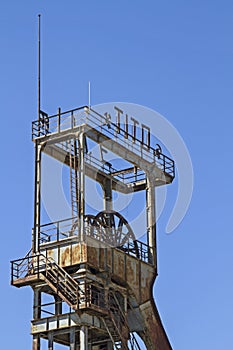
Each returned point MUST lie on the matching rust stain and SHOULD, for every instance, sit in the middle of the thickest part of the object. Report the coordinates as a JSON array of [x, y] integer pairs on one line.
[[84, 253], [125, 334], [102, 258], [119, 261], [154, 328], [65, 257], [92, 256], [132, 276], [109, 257], [76, 254], [147, 278], [50, 253]]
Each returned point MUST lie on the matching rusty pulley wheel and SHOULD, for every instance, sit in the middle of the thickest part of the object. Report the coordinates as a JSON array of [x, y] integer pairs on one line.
[[93, 227], [116, 231]]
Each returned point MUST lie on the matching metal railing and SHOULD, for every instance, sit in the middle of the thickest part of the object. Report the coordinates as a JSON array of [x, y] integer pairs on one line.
[[20, 268], [85, 115], [33, 264], [57, 122], [128, 177], [93, 295], [76, 295], [46, 268], [68, 228], [45, 309], [81, 295], [59, 279], [57, 231]]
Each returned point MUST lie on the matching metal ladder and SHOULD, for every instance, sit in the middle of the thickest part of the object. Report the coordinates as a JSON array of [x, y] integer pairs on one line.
[[74, 186]]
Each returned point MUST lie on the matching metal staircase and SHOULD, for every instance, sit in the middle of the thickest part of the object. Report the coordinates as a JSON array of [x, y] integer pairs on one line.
[[69, 290], [113, 333], [77, 296], [60, 281], [117, 325]]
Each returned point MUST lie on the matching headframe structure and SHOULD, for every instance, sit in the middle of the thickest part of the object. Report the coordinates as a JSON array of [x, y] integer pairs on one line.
[[92, 279]]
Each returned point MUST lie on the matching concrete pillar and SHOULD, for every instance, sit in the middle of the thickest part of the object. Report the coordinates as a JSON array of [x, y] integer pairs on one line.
[[84, 338]]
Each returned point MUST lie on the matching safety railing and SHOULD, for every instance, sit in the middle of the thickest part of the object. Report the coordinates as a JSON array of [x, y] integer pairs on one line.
[[84, 115], [93, 295], [57, 123], [129, 141], [127, 177], [20, 267], [24, 267], [52, 308], [68, 228], [57, 231], [46, 268], [59, 278]]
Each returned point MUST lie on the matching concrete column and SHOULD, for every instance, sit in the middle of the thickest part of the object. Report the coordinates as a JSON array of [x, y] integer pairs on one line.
[[84, 338], [81, 201], [151, 221]]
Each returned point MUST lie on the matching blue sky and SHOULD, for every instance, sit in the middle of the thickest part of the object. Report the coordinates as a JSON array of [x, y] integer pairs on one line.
[[175, 57]]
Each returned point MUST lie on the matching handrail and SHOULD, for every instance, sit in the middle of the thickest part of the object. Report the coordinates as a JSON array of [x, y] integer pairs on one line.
[[90, 159], [115, 310], [68, 120], [151, 153], [74, 294], [119, 308], [20, 267], [40, 264], [63, 280], [65, 229]]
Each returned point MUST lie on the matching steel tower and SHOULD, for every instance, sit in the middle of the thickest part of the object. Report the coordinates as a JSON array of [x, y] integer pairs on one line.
[[91, 278]]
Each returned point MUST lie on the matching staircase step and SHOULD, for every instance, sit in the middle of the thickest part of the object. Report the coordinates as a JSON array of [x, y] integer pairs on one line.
[[60, 281]]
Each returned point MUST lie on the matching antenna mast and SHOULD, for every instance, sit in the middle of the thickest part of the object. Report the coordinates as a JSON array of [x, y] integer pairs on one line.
[[89, 94], [39, 59]]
